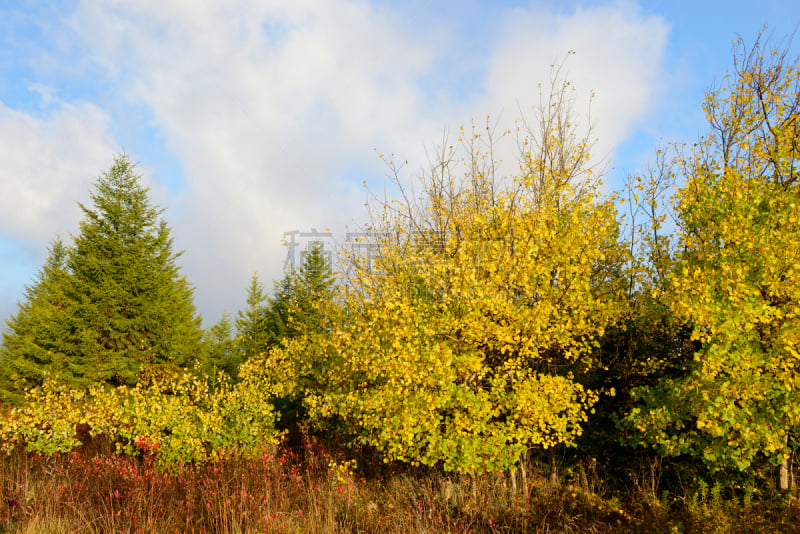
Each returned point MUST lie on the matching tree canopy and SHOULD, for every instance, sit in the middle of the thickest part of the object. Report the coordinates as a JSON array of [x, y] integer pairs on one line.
[[35, 339]]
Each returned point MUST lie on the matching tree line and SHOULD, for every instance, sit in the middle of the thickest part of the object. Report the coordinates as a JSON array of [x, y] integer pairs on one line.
[[499, 314]]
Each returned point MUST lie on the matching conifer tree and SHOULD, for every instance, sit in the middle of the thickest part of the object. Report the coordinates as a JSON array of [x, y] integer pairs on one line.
[[299, 298], [251, 324], [132, 306], [221, 351], [279, 307], [112, 303], [315, 284], [34, 340], [316, 273], [301, 306]]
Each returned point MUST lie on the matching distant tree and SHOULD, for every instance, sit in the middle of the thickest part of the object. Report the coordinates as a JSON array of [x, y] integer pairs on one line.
[[314, 288], [279, 307], [118, 302], [221, 349], [299, 299], [35, 338], [302, 305], [316, 273], [253, 335]]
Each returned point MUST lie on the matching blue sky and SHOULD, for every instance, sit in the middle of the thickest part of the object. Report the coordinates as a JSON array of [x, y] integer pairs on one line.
[[251, 118]]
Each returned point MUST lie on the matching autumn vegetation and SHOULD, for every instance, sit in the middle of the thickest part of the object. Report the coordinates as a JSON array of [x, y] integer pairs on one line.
[[516, 351]]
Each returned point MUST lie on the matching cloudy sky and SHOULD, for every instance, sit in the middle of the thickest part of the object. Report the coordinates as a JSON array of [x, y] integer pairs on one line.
[[252, 118]]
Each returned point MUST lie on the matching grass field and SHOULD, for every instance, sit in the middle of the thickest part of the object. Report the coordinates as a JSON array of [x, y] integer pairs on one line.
[[308, 487]]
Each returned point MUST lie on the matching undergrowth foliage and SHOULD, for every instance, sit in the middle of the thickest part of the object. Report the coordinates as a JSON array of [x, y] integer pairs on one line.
[[178, 418]]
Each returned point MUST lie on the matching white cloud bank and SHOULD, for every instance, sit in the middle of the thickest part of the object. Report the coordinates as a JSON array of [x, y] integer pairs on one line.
[[47, 164], [273, 107]]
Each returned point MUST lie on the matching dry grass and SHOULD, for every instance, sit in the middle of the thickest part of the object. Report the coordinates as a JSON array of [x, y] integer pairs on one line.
[[310, 489]]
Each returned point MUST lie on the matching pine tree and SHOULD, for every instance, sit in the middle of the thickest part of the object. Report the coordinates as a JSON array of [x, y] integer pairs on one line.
[[34, 341], [298, 302], [300, 307], [316, 278], [279, 309], [132, 306]]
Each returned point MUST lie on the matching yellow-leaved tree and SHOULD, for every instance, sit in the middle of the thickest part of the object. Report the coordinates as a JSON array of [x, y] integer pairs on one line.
[[736, 276], [462, 336]]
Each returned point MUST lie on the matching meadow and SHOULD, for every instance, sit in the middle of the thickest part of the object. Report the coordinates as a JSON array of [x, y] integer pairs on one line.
[[304, 485]]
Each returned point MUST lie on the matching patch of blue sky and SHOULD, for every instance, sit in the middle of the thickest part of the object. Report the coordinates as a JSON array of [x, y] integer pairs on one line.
[[276, 34], [20, 38], [365, 179], [699, 55], [453, 81], [45, 65], [19, 263], [134, 127], [39, 47]]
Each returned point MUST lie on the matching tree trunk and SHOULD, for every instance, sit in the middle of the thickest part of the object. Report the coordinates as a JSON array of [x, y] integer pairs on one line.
[[523, 466], [785, 481], [784, 474], [473, 478], [512, 473], [553, 468]]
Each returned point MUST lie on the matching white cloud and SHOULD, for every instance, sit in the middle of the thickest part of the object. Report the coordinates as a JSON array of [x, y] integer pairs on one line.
[[48, 163], [267, 107], [272, 106], [617, 55]]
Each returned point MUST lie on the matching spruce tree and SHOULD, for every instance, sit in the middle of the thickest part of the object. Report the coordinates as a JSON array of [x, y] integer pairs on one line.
[[279, 307], [301, 306], [251, 324], [315, 283], [35, 338], [109, 305], [298, 302], [316, 274], [220, 349], [132, 308]]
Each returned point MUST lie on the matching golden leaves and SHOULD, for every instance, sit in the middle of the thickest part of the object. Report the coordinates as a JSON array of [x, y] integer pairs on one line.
[[179, 416], [475, 294]]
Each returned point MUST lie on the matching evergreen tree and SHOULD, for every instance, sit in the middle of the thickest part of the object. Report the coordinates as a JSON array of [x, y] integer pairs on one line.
[[315, 284], [278, 309], [221, 352], [298, 302], [316, 274], [299, 307], [35, 337], [132, 306], [251, 324], [112, 303]]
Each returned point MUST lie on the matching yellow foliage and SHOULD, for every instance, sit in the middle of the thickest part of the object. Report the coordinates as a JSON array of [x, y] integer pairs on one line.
[[735, 280], [459, 336], [178, 418]]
